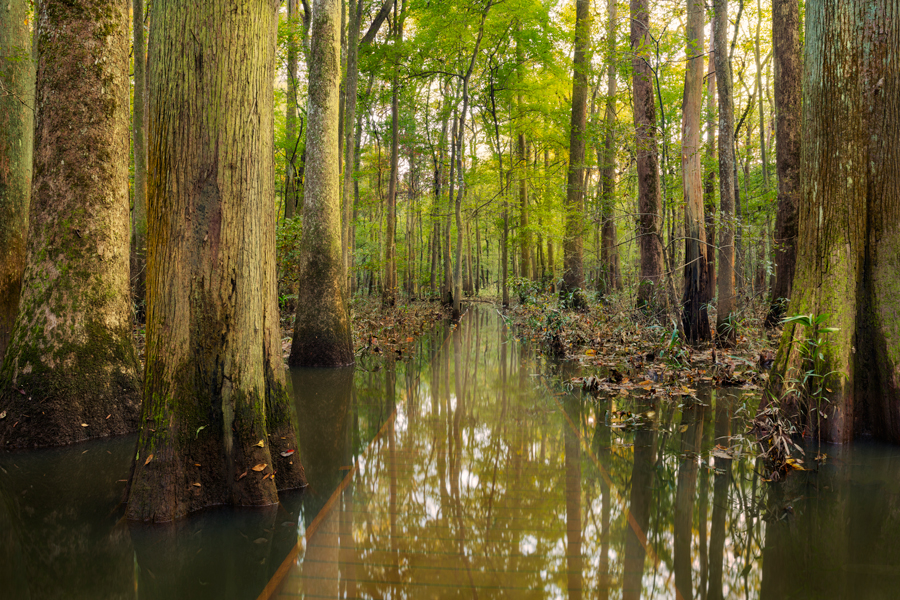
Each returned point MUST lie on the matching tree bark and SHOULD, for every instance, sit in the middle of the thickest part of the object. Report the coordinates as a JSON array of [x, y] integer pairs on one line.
[[16, 149], [609, 254], [350, 127], [389, 292], [788, 67], [139, 131], [216, 427], [573, 245], [322, 334], [849, 226], [71, 370], [694, 318], [651, 289], [725, 331]]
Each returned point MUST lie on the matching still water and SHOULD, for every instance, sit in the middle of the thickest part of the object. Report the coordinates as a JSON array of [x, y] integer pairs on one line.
[[472, 471]]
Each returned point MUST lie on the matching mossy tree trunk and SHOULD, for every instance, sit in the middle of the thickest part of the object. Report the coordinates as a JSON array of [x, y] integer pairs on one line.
[[71, 371], [139, 150], [651, 289], [16, 136], [694, 316], [322, 335], [573, 244], [217, 422], [788, 71], [725, 331], [848, 254]]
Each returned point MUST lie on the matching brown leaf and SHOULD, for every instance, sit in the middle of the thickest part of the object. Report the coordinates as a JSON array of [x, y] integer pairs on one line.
[[84, 424], [260, 444], [147, 462], [242, 475], [196, 464], [260, 467], [196, 484]]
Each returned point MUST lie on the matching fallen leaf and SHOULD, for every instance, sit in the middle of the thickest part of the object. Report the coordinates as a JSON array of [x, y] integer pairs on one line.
[[409, 339], [287, 453], [84, 424], [3, 415], [147, 462], [591, 352], [684, 428], [109, 415], [196, 464], [196, 485], [260, 444], [242, 475], [260, 467]]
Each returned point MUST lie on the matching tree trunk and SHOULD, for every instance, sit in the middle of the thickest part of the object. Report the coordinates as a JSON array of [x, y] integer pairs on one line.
[[524, 233], [350, 125], [322, 334], [139, 130], [695, 318], [651, 292], [71, 371], [292, 189], [609, 254], [847, 265], [389, 293], [573, 245], [725, 332], [788, 67], [709, 180], [216, 405], [16, 149]]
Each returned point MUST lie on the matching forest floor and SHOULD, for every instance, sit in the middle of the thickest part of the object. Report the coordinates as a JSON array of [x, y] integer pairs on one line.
[[620, 351]]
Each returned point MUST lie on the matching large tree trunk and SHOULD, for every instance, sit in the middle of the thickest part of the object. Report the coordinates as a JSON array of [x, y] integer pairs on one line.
[[524, 233], [848, 256], [651, 290], [16, 149], [709, 178], [71, 371], [609, 253], [573, 245], [786, 39], [725, 331], [322, 335], [139, 131], [217, 421], [694, 317]]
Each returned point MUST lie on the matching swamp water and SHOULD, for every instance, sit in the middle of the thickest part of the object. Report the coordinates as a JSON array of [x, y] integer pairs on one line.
[[473, 472]]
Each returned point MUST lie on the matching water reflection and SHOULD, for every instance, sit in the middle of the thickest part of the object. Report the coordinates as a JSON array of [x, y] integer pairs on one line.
[[474, 471]]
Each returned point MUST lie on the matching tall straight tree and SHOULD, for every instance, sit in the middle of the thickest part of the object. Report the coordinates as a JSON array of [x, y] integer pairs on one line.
[[849, 234], [16, 136], [786, 41], [139, 150], [573, 244], [609, 251], [694, 318], [71, 370], [293, 150], [725, 331], [651, 295], [216, 426], [322, 335], [460, 146], [389, 290]]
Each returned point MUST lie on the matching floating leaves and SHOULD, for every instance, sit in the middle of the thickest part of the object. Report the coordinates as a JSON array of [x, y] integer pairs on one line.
[[3, 415], [242, 475], [260, 467], [199, 429], [84, 425], [287, 453], [260, 444], [147, 462], [195, 484]]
